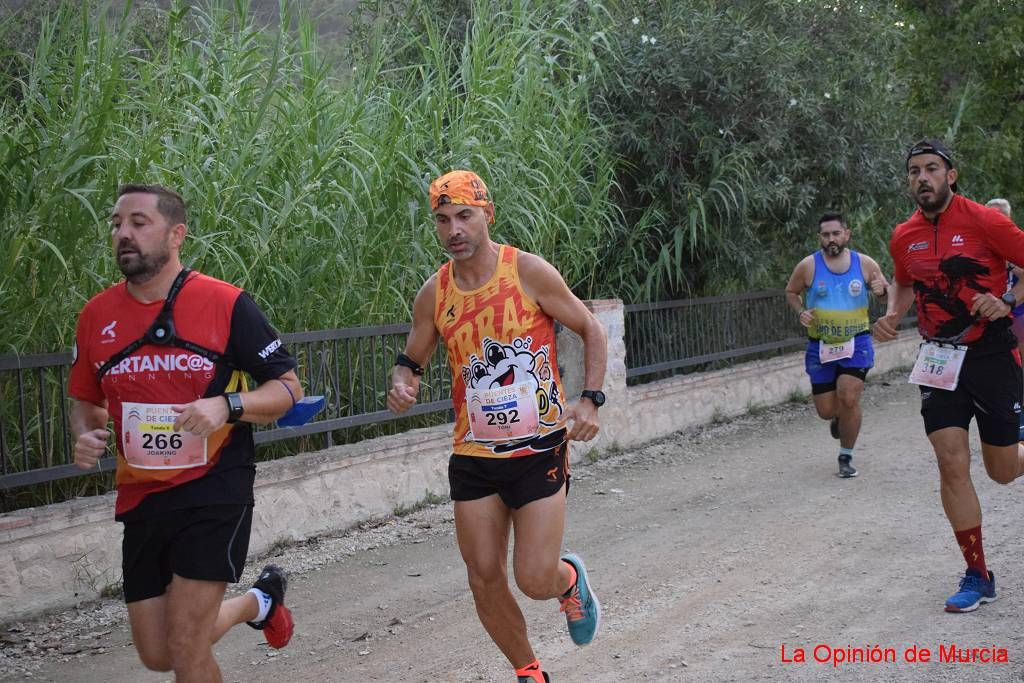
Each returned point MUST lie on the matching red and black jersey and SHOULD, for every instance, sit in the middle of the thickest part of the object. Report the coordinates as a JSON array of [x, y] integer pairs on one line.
[[212, 314], [961, 254]]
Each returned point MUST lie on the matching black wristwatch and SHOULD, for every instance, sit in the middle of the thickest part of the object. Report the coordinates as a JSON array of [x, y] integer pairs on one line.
[[235, 407], [407, 362], [596, 397], [1009, 299]]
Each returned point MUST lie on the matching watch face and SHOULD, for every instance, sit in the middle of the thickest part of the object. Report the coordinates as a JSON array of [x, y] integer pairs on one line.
[[597, 397], [235, 407]]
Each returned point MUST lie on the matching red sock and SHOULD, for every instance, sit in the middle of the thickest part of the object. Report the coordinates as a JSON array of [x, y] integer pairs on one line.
[[572, 581], [970, 546], [531, 671]]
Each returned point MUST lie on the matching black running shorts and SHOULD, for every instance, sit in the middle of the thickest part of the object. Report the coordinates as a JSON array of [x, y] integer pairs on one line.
[[989, 390], [517, 481], [824, 388], [206, 543]]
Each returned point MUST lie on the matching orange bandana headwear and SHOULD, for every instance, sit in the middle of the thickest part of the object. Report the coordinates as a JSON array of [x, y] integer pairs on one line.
[[458, 187]]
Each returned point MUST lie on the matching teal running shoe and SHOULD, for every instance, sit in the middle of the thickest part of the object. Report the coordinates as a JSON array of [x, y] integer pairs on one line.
[[582, 610]]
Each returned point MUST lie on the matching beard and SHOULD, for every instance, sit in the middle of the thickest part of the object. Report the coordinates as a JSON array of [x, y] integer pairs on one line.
[[139, 268], [834, 249], [939, 198]]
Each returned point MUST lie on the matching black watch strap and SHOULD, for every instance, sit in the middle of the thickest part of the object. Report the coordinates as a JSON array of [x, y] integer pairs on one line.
[[235, 407], [407, 362], [596, 397]]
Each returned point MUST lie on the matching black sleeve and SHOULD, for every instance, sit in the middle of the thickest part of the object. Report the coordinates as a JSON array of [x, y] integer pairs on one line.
[[254, 345]]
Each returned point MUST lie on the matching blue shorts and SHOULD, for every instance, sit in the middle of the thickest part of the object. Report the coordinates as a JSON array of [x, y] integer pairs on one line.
[[823, 375]]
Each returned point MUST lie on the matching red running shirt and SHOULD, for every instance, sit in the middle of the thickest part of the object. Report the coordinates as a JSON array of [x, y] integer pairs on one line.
[[213, 314], [963, 253]]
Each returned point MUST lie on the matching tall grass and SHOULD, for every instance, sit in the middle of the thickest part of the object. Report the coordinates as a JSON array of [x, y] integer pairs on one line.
[[306, 189]]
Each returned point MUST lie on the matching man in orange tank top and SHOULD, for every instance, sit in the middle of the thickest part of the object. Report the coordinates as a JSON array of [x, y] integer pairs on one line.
[[494, 306]]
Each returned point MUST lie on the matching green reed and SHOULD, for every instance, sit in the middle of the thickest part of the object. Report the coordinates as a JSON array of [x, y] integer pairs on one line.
[[305, 188]]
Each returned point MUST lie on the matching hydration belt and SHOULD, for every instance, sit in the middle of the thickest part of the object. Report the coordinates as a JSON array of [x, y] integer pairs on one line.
[[162, 333]]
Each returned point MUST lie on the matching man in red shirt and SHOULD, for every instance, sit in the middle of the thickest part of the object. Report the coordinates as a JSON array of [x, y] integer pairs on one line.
[[162, 355], [950, 259]]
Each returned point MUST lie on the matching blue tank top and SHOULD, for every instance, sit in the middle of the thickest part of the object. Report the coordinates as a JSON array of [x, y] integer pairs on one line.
[[1011, 280], [839, 300]]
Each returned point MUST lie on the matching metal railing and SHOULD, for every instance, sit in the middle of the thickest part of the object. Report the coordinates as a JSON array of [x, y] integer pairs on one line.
[[671, 337], [349, 366], [35, 434]]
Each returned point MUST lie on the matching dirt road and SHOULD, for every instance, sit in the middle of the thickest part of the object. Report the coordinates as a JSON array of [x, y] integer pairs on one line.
[[711, 551]]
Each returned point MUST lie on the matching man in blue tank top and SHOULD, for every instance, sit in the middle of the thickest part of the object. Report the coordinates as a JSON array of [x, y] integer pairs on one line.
[[839, 354]]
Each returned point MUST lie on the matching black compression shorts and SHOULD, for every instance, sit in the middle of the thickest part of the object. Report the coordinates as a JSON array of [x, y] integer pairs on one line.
[[989, 390]]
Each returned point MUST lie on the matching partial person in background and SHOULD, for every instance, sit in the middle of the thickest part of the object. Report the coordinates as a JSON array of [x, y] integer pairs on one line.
[[1016, 273]]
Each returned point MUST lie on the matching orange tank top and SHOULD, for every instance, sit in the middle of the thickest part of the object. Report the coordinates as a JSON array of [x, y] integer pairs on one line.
[[501, 347]]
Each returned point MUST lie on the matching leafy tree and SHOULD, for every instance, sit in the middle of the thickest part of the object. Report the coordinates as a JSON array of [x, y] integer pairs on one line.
[[965, 61], [739, 122]]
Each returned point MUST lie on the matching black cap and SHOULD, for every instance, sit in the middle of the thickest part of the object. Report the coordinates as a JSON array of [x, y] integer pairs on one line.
[[931, 146]]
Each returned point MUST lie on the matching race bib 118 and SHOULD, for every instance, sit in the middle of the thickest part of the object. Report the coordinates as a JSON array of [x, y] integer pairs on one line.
[[938, 366]]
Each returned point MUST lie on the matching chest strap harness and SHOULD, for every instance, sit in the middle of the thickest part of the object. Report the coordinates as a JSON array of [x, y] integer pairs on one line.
[[162, 333]]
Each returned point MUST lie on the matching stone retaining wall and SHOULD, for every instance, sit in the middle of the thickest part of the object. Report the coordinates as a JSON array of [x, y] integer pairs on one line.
[[58, 555]]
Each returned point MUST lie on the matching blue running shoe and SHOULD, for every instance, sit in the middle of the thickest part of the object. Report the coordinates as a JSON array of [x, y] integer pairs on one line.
[[974, 590], [582, 610]]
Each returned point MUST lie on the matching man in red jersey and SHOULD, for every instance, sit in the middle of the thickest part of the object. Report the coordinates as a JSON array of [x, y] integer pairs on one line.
[[161, 354], [494, 306], [950, 258]]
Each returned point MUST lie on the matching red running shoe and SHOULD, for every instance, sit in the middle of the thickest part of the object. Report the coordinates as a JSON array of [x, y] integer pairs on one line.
[[278, 626]]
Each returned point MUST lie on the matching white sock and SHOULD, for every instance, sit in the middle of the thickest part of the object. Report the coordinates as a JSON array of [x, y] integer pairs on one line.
[[265, 601]]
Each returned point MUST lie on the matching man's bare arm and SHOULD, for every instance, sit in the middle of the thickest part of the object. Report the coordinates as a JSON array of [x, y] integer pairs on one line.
[[543, 283], [420, 345]]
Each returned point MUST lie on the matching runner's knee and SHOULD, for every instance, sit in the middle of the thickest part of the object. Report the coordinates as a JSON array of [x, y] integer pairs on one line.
[[535, 584], [848, 400], [1002, 472], [826, 405], [187, 641], [485, 576], [187, 653], [154, 658], [954, 467]]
